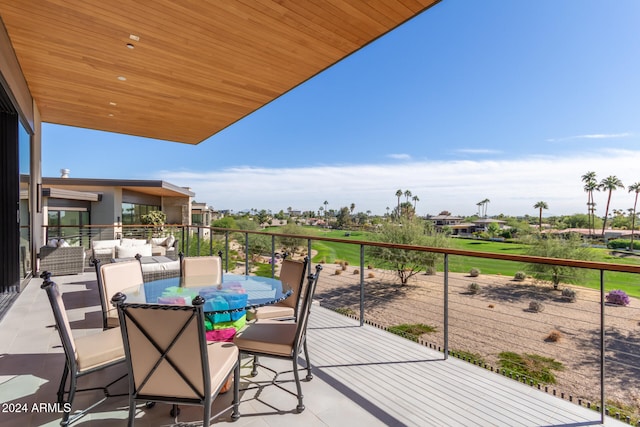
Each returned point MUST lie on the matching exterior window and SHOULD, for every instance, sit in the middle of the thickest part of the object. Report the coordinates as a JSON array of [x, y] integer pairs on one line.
[[197, 219], [132, 213], [24, 155], [69, 225]]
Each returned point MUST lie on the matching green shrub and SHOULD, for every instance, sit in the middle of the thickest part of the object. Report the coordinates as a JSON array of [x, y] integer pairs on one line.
[[622, 244], [536, 306], [474, 272], [520, 276], [569, 294], [411, 331], [473, 288], [533, 366], [345, 311]]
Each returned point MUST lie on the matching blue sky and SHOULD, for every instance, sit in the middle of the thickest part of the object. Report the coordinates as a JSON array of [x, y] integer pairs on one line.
[[507, 100]]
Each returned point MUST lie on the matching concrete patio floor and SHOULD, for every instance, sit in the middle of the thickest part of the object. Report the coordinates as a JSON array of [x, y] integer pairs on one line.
[[363, 376]]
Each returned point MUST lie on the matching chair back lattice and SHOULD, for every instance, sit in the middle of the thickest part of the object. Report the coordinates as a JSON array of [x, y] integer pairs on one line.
[[166, 351]]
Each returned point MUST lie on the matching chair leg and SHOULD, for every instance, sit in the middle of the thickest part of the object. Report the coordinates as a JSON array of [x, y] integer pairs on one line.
[[300, 406], [236, 391], [132, 411], [254, 367], [306, 355], [63, 383], [72, 392], [207, 412]]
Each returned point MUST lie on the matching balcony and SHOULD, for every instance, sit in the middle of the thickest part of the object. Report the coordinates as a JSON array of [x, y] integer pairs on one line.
[[369, 376]]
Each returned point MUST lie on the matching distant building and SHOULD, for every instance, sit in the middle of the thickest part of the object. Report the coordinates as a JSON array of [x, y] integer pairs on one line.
[[112, 202]]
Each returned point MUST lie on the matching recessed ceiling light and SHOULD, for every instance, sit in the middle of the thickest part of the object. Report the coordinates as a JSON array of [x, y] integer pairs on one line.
[[134, 37], [110, 114], [122, 78], [130, 45], [112, 103]]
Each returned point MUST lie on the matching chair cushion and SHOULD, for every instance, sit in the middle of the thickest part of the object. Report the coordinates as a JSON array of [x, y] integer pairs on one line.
[[271, 338], [133, 242], [270, 312], [100, 244], [222, 359], [132, 251], [99, 349]]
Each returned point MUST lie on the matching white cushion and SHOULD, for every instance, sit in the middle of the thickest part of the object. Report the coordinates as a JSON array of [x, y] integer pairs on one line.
[[133, 242], [63, 243], [170, 241], [161, 266], [53, 243], [100, 244], [132, 251], [158, 241], [103, 251]]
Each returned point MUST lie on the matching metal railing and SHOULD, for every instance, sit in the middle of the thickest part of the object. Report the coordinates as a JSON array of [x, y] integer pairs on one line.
[[586, 351]]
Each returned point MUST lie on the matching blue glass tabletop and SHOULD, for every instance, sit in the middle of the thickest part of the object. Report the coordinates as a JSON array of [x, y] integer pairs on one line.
[[235, 293]]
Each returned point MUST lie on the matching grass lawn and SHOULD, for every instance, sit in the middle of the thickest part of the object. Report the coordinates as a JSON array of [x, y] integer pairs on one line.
[[330, 251]]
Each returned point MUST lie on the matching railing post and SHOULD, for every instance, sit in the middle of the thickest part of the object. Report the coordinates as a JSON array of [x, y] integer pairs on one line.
[[226, 250], [246, 253], [198, 240], [602, 348], [210, 241], [446, 306], [188, 234], [273, 256], [361, 285], [309, 255]]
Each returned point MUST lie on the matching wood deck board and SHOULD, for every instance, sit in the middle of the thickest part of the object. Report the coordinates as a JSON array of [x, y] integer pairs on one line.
[[413, 383]]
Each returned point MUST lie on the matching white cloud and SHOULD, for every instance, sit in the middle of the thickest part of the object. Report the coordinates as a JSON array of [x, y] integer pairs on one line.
[[592, 136], [513, 186], [399, 156], [478, 151]]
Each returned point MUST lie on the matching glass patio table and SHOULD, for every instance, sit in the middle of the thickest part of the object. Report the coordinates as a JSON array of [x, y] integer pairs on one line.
[[236, 293]]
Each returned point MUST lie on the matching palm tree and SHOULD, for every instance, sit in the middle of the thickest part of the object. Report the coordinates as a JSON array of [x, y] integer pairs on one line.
[[610, 183], [634, 187], [326, 212], [590, 184], [540, 205], [407, 194], [478, 205], [415, 200], [387, 210], [352, 207], [485, 202], [398, 195]]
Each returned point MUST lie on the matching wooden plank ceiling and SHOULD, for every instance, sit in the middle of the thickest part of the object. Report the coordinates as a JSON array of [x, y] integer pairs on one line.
[[192, 67]]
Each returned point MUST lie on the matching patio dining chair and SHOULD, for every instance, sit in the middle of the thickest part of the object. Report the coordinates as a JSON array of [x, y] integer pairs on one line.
[[284, 340], [169, 359], [292, 274], [113, 278], [201, 270], [83, 355]]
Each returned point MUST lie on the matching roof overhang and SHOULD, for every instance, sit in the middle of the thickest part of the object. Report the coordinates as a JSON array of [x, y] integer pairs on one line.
[[151, 187], [182, 71], [60, 193]]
